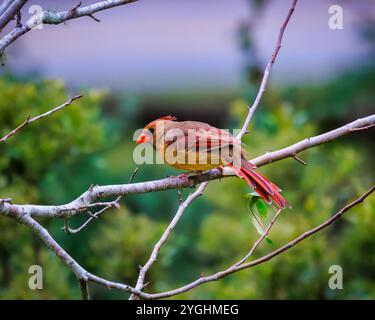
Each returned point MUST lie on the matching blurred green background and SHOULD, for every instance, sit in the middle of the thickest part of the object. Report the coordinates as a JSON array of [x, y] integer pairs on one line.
[[90, 142]]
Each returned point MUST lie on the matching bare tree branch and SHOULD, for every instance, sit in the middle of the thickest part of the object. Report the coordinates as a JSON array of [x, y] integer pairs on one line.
[[83, 284], [235, 268], [84, 276], [11, 9], [41, 116], [166, 234], [49, 17], [291, 151], [266, 73], [261, 238], [4, 6], [96, 215]]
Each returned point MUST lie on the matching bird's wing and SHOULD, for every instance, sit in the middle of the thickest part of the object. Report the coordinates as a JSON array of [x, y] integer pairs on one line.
[[198, 137]]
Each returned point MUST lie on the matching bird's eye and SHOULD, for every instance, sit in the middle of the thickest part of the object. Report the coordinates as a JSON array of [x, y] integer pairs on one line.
[[151, 130]]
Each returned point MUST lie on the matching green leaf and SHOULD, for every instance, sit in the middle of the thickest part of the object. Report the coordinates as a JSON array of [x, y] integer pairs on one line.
[[251, 204], [254, 194], [261, 207], [257, 225], [268, 240]]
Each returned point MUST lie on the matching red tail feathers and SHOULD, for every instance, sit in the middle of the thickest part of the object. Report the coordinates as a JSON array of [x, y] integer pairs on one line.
[[265, 188]]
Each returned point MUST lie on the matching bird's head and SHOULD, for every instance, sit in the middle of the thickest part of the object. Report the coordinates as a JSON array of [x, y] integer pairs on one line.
[[148, 131]]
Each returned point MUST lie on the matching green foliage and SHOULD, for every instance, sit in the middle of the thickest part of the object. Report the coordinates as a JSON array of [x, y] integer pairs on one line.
[[27, 159], [63, 136], [347, 95], [128, 242]]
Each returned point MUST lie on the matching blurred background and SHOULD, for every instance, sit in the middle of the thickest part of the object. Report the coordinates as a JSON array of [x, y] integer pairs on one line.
[[197, 60]]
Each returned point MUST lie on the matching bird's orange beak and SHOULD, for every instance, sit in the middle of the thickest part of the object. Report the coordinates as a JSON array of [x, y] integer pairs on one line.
[[143, 138]]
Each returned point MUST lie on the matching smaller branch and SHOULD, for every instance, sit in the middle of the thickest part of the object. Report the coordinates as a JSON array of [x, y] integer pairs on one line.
[[4, 6], [164, 237], [363, 128], [299, 160], [93, 17], [179, 197], [18, 20], [94, 216], [282, 30], [73, 211], [39, 230], [6, 200], [31, 120], [49, 17], [107, 205], [261, 238], [266, 73], [352, 127], [72, 12], [82, 275], [11, 11], [84, 286]]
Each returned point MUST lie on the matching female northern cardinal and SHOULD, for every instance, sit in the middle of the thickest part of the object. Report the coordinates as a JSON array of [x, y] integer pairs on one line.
[[196, 146]]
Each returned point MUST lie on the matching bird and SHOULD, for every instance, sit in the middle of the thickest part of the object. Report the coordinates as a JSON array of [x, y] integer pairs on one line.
[[198, 146]]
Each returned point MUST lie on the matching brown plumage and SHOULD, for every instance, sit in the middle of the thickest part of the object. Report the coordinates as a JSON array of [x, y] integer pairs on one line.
[[196, 146]]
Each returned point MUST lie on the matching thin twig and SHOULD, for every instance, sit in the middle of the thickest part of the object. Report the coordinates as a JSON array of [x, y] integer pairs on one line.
[[10, 12], [81, 274], [261, 238], [93, 216], [18, 20], [50, 17], [363, 128], [166, 234], [93, 17], [266, 74], [299, 159], [83, 284], [179, 197], [4, 6], [96, 215], [41, 116]]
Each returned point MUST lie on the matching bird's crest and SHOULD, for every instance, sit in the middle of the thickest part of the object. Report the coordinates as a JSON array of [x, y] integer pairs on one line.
[[170, 118], [152, 124]]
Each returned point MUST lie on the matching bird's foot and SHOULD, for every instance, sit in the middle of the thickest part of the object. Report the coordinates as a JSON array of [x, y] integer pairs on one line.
[[190, 174], [187, 175], [183, 176], [221, 169], [195, 173]]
